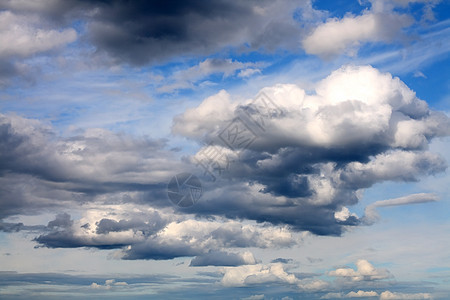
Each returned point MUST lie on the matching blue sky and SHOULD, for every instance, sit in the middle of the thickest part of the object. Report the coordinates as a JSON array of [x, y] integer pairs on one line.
[[343, 192]]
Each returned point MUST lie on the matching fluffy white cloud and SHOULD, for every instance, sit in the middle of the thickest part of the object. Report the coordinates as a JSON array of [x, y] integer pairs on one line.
[[109, 283], [343, 214], [267, 274], [360, 294], [354, 104], [364, 271], [318, 149]]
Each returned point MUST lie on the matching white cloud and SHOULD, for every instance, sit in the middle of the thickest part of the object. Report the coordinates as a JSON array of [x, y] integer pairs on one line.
[[267, 274], [364, 271], [343, 214], [332, 296], [358, 294], [371, 214], [254, 297], [248, 72], [189, 78], [345, 35], [354, 104], [398, 296], [418, 74], [109, 283], [20, 36]]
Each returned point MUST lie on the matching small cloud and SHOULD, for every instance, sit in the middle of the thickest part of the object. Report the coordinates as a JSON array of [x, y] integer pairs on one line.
[[387, 295], [314, 260], [282, 260], [360, 294], [248, 72], [254, 297], [371, 215], [365, 271], [344, 214], [109, 283], [419, 74]]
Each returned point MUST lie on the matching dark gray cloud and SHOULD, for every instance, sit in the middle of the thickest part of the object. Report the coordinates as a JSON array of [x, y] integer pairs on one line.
[[40, 170], [151, 31], [153, 223], [282, 260], [61, 221], [154, 31], [63, 232]]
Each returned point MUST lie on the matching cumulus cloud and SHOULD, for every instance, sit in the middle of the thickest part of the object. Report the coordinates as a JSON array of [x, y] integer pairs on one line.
[[390, 295], [312, 154], [267, 274], [365, 271], [360, 294], [109, 283]]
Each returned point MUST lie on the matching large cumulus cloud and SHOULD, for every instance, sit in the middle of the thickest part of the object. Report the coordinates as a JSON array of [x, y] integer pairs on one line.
[[316, 152]]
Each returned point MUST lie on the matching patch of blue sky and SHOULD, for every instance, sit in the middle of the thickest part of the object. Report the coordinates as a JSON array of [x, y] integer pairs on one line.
[[341, 8]]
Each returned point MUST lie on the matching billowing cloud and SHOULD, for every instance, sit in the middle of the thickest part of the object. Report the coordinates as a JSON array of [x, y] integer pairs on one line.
[[292, 181], [365, 271], [310, 155]]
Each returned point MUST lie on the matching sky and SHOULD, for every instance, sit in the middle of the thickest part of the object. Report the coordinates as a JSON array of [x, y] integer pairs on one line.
[[224, 149]]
